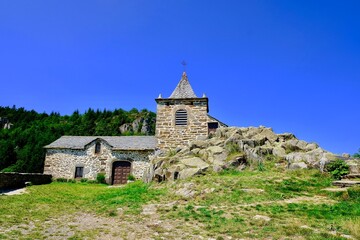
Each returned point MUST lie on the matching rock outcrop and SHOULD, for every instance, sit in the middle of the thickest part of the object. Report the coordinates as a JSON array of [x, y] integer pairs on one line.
[[5, 123], [142, 125], [233, 147]]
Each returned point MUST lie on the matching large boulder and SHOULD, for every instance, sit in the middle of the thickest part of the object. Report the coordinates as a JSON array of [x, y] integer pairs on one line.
[[298, 165], [195, 162], [354, 166], [189, 172]]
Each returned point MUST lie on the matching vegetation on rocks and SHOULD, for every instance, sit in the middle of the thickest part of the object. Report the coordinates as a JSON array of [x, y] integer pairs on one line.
[[22, 141], [337, 168]]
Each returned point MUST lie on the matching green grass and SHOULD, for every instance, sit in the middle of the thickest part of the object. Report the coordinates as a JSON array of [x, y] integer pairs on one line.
[[223, 205]]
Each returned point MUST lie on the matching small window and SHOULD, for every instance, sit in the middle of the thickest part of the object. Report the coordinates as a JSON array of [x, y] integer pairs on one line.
[[181, 117], [212, 126], [79, 171], [97, 147]]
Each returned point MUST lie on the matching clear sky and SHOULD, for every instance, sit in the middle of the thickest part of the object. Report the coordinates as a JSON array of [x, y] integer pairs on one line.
[[290, 65]]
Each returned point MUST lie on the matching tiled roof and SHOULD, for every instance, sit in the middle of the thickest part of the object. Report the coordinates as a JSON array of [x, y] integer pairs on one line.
[[116, 142], [183, 89]]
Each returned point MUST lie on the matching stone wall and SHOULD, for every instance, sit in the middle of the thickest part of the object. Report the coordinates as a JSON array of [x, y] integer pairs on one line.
[[18, 180], [61, 163], [171, 136]]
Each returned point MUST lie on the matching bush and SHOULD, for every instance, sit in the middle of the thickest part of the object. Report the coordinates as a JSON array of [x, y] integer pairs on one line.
[[83, 180], [354, 193], [61, 180], [131, 177], [338, 168], [100, 178]]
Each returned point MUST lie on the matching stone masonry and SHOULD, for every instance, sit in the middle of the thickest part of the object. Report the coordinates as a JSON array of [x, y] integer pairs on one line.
[[171, 136], [62, 162]]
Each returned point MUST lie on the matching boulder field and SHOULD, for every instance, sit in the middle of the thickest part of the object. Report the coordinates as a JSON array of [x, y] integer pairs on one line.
[[234, 147]]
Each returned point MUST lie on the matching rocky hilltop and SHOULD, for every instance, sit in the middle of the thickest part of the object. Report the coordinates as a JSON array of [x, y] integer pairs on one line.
[[233, 147], [143, 125]]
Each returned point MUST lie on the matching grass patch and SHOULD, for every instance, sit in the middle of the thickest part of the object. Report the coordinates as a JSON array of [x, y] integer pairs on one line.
[[224, 204], [132, 196]]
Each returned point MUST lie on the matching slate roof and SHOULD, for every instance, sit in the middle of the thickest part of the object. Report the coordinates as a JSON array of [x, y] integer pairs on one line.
[[216, 120], [116, 142], [183, 89]]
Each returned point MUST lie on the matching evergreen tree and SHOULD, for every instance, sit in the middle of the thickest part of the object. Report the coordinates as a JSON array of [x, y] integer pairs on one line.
[[21, 147]]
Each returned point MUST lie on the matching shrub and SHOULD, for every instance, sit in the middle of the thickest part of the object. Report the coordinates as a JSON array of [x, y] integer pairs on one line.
[[61, 180], [131, 177], [338, 168], [100, 178], [354, 193], [84, 180]]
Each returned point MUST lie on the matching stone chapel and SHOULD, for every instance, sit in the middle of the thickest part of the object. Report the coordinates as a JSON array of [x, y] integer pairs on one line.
[[181, 118]]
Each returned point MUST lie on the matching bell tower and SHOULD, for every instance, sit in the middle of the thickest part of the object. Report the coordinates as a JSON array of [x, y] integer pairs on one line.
[[182, 117]]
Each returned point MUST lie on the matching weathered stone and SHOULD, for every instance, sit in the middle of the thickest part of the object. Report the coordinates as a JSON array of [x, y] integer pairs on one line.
[[285, 137], [189, 172], [261, 217], [126, 127], [268, 134], [311, 147], [187, 191], [298, 165], [215, 149], [279, 152], [198, 144], [217, 168], [194, 162], [216, 142], [354, 166], [195, 150], [346, 183]]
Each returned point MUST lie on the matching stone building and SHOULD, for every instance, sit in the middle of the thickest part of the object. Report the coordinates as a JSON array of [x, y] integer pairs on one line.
[[183, 117], [85, 157], [180, 118]]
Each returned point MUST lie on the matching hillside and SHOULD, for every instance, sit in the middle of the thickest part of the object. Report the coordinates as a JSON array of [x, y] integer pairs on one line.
[[249, 204], [23, 133]]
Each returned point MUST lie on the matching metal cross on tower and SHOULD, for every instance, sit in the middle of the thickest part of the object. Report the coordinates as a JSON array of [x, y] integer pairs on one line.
[[184, 64]]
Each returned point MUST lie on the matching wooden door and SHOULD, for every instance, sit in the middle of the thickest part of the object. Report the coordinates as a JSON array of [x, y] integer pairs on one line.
[[121, 171]]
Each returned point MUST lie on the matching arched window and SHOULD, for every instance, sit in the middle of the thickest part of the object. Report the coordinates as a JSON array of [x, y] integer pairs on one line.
[[181, 117], [97, 147]]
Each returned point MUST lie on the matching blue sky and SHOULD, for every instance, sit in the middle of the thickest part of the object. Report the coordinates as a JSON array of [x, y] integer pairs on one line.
[[290, 65]]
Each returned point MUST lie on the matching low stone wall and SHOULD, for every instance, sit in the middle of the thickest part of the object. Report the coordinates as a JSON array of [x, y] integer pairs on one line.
[[18, 180]]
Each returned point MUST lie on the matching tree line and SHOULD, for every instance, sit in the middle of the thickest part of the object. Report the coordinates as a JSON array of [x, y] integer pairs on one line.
[[21, 145]]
